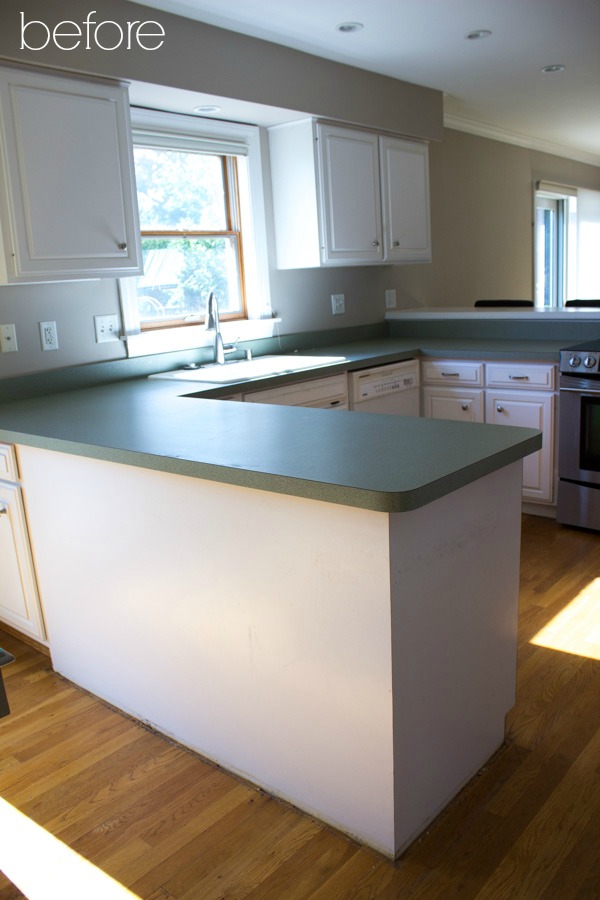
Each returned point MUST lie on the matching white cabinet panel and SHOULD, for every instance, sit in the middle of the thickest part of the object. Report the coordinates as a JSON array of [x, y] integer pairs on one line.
[[19, 601], [349, 163], [460, 404], [69, 206], [451, 372], [528, 410], [520, 375], [325, 393], [405, 191]]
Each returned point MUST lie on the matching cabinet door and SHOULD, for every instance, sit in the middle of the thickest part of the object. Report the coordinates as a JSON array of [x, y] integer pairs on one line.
[[69, 207], [405, 184], [19, 601], [453, 403], [528, 410], [350, 196]]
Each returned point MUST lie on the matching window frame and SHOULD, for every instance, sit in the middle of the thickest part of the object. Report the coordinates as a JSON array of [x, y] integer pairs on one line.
[[561, 202], [226, 138]]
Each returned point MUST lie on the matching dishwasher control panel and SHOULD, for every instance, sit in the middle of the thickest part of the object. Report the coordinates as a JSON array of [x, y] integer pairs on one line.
[[372, 387]]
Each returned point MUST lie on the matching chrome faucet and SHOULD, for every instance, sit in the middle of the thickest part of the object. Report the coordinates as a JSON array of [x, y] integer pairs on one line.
[[211, 323]]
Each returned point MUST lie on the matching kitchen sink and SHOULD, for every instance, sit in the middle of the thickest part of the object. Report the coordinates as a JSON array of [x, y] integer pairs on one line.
[[247, 369]]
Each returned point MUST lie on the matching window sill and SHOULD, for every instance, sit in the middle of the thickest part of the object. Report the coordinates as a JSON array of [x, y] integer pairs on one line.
[[191, 337]]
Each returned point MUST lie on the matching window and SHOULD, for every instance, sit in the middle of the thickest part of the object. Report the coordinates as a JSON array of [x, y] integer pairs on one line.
[[555, 244], [191, 236], [200, 199]]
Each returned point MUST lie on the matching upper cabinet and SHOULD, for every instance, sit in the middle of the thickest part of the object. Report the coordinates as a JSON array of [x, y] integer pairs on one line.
[[345, 196], [68, 204]]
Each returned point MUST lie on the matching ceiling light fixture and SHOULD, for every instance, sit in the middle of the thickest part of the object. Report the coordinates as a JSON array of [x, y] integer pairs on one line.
[[348, 27], [557, 67], [202, 110], [478, 35]]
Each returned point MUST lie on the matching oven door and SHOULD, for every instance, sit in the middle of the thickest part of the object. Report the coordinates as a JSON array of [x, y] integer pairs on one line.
[[579, 433]]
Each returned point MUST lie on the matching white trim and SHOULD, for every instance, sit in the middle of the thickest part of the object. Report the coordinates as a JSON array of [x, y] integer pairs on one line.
[[482, 129], [260, 317], [487, 313]]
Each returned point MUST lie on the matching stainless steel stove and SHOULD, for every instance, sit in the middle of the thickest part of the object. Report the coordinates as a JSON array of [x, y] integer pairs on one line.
[[579, 436]]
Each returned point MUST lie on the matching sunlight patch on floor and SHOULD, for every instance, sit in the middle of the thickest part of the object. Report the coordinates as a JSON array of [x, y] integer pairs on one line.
[[44, 868], [576, 628]]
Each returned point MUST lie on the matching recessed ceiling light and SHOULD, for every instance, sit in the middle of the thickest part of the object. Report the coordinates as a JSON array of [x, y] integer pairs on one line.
[[347, 27], [557, 67], [206, 109], [478, 35]]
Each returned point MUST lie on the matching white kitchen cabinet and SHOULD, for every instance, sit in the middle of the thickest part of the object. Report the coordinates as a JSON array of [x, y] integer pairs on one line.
[[346, 196], [452, 390], [330, 392], [460, 404], [523, 394], [19, 599], [502, 393], [405, 196], [528, 410], [68, 206]]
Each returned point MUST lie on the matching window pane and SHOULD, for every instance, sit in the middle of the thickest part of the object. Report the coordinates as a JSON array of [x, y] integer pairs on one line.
[[179, 273], [179, 190]]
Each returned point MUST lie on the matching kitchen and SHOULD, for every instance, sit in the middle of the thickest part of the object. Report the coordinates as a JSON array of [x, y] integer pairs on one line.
[[300, 295]]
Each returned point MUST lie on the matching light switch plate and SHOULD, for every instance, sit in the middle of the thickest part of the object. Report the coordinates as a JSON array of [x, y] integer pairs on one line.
[[338, 304], [390, 299], [8, 339]]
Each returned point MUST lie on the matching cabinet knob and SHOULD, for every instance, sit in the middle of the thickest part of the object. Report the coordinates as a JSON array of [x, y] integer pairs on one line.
[[499, 409], [122, 245], [375, 244], [4, 511], [464, 406], [396, 244]]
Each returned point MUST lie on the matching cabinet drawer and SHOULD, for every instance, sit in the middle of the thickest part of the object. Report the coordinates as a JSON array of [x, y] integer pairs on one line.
[[520, 375], [449, 371], [462, 405], [329, 391], [8, 463]]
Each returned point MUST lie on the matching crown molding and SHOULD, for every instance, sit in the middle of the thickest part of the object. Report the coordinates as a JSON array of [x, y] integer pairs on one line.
[[481, 129]]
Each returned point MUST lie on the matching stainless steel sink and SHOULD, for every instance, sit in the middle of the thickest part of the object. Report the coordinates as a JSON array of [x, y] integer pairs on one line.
[[247, 369]]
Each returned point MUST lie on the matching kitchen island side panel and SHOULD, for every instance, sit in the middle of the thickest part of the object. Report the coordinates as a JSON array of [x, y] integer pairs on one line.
[[253, 627], [455, 588]]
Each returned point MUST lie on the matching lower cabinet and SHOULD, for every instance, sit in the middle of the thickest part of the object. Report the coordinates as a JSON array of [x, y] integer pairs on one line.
[[19, 600], [528, 410], [460, 404], [503, 393]]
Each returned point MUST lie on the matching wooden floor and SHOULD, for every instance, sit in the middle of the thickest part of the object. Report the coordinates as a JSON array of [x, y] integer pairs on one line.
[[167, 825]]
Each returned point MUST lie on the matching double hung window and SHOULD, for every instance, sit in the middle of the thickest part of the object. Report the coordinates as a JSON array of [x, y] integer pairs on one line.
[[200, 200]]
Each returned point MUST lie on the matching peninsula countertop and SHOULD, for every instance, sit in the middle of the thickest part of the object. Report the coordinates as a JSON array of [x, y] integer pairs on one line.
[[378, 462]]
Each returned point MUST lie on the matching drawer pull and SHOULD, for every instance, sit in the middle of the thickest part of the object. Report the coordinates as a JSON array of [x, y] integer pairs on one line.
[[451, 374], [499, 409], [519, 377], [464, 406]]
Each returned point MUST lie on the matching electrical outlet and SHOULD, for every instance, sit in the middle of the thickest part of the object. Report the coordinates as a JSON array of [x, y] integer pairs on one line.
[[390, 299], [107, 328], [338, 304], [48, 335], [8, 338]]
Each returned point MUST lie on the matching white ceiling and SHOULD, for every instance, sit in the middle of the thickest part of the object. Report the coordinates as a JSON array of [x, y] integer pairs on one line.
[[493, 86]]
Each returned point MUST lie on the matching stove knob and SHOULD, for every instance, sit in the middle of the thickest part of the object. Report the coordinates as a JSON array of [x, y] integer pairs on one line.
[[589, 362], [574, 361]]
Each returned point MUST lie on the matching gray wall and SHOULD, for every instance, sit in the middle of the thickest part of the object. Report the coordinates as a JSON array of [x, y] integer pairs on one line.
[[481, 190]]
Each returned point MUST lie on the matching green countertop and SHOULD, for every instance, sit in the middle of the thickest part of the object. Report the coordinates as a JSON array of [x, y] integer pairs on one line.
[[377, 462]]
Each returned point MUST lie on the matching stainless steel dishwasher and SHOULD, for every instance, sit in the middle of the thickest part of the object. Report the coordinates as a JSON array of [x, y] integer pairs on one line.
[[391, 389]]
